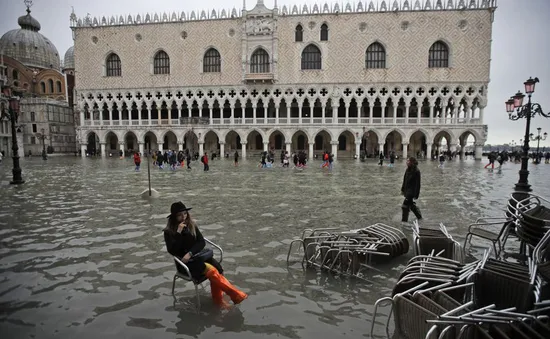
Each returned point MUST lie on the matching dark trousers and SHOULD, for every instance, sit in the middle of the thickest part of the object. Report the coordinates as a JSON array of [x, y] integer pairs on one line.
[[410, 205], [206, 168]]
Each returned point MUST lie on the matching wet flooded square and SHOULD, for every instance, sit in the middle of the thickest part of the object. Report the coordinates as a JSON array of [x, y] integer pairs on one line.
[[82, 254]]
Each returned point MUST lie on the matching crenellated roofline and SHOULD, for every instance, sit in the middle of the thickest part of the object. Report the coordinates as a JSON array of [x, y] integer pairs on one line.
[[371, 6]]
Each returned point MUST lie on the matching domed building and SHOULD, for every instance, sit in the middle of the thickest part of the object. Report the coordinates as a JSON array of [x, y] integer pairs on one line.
[[31, 67]]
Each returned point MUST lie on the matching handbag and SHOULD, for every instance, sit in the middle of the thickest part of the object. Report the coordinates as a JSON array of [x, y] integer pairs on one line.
[[204, 255]]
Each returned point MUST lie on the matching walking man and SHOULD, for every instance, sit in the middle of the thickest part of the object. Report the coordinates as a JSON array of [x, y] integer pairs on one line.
[[411, 190]]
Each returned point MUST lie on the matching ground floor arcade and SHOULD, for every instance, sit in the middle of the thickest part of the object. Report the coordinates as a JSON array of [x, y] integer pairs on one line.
[[342, 142]]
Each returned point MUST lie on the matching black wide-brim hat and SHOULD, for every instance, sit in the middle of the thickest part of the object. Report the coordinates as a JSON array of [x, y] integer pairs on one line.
[[177, 207]]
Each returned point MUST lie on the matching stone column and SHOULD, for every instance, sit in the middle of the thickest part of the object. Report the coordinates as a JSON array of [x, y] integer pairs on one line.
[[139, 115], [371, 113], [334, 114], [92, 117], [141, 148], [429, 151], [358, 149], [180, 147], [120, 117], [407, 109], [266, 144], [300, 113], [323, 109], [405, 150], [394, 113], [454, 118], [110, 116], [201, 148], [380, 147], [210, 114], [452, 148], [81, 118], [481, 114], [232, 118], [254, 107], [383, 113], [310, 150], [347, 112], [276, 114], [462, 152], [287, 144], [83, 150], [121, 146], [179, 112], [479, 151], [160, 146], [334, 150], [222, 150], [102, 145], [243, 150], [149, 114], [431, 113]]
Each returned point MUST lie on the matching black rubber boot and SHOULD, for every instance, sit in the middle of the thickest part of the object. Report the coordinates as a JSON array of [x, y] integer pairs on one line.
[[405, 215], [416, 212]]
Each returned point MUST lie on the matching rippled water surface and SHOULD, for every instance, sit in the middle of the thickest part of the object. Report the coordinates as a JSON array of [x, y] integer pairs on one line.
[[82, 254]]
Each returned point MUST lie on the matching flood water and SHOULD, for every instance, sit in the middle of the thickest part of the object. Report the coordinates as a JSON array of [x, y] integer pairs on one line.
[[82, 254]]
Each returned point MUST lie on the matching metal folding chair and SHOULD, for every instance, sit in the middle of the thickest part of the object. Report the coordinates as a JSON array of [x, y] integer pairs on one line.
[[186, 275]]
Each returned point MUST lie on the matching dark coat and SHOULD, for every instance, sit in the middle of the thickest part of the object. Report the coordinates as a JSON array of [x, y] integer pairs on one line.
[[411, 183], [179, 244]]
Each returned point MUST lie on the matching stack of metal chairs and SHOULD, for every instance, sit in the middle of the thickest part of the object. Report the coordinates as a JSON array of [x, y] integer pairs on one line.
[[427, 239], [437, 297], [349, 253]]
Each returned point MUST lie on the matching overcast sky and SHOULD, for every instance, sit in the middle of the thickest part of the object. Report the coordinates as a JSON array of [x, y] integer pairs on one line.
[[521, 44]]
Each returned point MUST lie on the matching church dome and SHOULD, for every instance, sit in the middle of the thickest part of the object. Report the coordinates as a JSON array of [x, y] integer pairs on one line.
[[28, 46], [68, 60]]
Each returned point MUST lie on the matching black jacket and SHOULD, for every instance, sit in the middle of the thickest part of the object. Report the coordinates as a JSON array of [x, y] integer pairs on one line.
[[411, 183], [179, 244]]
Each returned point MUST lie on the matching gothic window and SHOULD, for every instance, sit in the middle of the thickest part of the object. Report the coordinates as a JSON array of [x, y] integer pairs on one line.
[[212, 61], [439, 55], [33, 116], [311, 57], [299, 35], [50, 85], [42, 87], [58, 86], [376, 56], [114, 68], [15, 75], [259, 61], [324, 32], [161, 63]]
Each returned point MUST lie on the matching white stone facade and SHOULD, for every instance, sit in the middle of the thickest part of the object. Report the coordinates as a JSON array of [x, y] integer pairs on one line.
[[343, 106]]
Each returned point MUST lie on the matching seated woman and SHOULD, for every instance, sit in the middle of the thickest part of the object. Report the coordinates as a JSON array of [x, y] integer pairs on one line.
[[185, 241]]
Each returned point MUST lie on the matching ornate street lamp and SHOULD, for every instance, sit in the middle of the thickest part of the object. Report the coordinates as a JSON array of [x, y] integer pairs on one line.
[[538, 138], [516, 110], [43, 137], [11, 115]]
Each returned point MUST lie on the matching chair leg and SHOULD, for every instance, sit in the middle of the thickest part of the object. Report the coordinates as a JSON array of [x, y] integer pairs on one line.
[[198, 296], [174, 284]]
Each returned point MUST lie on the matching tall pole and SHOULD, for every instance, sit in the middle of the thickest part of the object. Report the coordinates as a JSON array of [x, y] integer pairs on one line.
[[523, 184], [17, 178]]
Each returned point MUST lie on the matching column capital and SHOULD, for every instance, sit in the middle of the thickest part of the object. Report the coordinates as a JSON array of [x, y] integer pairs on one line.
[[288, 142], [266, 142], [244, 143], [221, 142], [334, 142], [404, 143], [311, 143]]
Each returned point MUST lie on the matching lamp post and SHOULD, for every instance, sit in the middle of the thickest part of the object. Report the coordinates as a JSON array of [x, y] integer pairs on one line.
[[43, 137], [538, 138], [516, 110], [12, 113]]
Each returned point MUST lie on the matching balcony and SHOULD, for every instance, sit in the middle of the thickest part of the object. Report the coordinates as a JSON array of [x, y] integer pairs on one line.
[[259, 77]]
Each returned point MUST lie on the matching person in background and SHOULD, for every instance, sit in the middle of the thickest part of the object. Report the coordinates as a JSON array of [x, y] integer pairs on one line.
[[137, 161], [411, 190]]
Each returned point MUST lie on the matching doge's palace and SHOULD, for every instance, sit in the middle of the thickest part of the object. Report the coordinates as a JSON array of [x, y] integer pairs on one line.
[[395, 76]]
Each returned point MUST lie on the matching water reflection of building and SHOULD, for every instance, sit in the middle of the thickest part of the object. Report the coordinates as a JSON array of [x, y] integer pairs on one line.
[[32, 68], [399, 77]]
